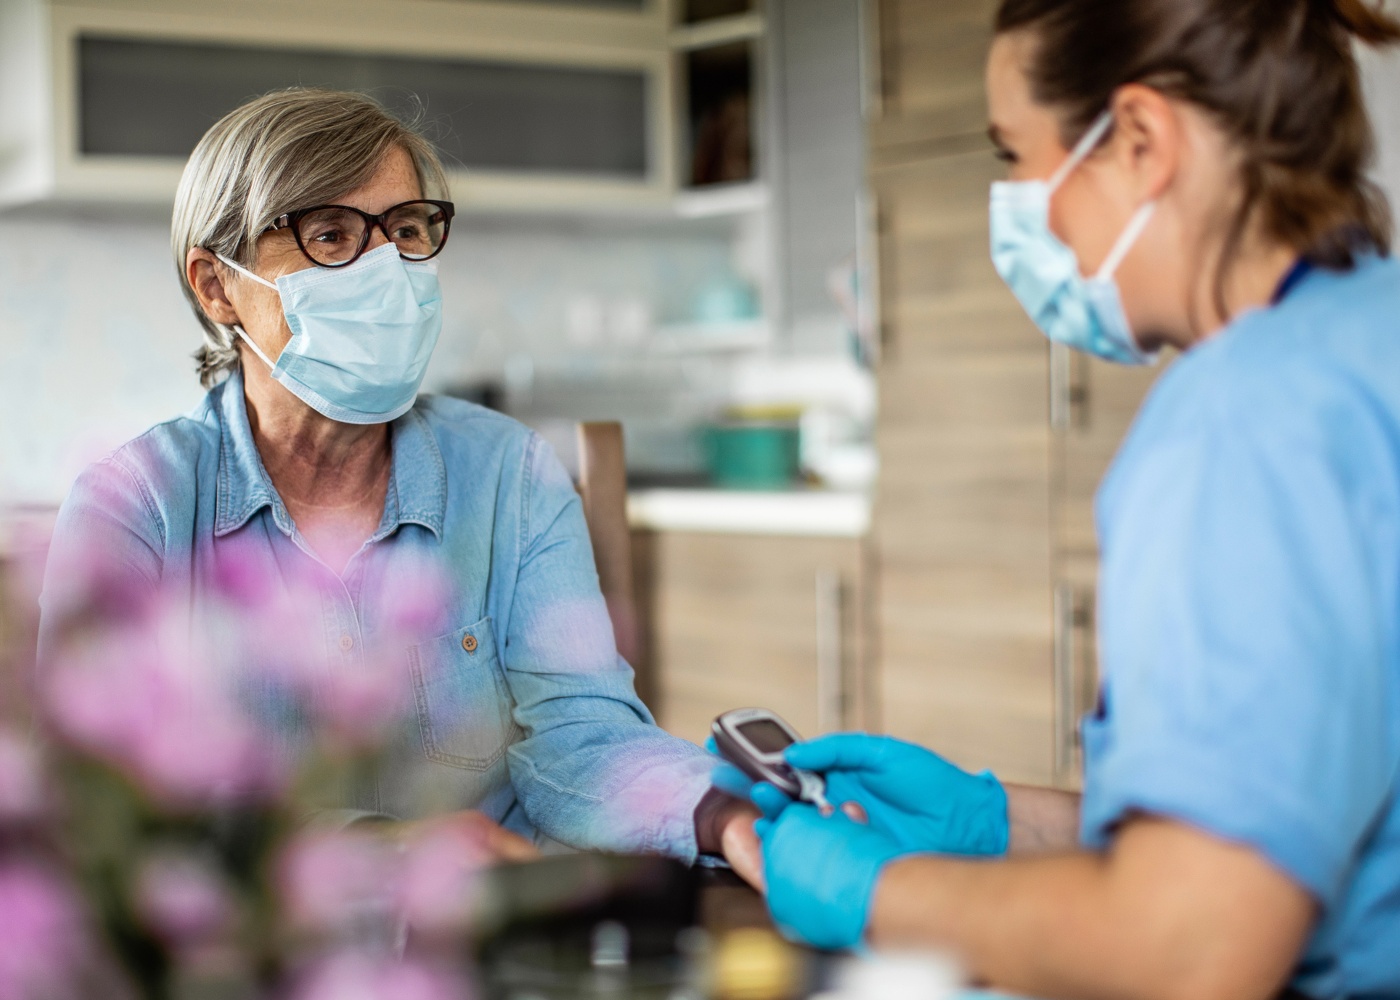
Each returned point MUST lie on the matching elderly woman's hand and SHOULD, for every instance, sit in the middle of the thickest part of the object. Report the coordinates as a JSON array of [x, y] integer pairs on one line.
[[479, 835]]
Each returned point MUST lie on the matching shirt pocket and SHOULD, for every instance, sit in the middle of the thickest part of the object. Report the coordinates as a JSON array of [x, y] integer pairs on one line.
[[463, 704]]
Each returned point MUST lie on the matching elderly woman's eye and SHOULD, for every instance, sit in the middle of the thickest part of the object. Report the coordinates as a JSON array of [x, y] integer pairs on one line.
[[327, 235]]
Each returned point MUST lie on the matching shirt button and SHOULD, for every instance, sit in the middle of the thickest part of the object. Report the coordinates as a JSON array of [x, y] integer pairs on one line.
[[346, 643], [469, 643]]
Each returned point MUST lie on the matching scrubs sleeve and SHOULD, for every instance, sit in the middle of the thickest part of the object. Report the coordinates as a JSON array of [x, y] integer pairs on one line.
[[594, 770], [1247, 610]]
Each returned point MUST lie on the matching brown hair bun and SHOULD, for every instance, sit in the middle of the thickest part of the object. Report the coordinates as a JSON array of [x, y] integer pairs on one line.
[[1366, 22]]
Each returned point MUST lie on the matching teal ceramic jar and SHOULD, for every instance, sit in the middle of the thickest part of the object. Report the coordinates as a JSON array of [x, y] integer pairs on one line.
[[753, 454]]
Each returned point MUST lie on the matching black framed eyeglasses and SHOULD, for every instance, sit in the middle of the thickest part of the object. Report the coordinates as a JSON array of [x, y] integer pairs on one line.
[[336, 235]]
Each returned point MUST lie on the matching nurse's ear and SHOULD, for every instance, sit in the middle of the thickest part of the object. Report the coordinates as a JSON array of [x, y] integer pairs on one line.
[[205, 274], [1148, 142]]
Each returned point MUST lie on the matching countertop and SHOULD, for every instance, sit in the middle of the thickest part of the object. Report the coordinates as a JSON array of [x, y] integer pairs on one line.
[[808, 513]]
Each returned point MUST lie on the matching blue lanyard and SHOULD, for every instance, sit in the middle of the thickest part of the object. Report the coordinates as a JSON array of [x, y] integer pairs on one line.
[[1290, 281]]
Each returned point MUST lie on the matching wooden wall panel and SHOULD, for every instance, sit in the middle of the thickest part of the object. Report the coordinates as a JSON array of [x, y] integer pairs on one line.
[[932, 54], [735, 625], [1105, 401], [962, 526]]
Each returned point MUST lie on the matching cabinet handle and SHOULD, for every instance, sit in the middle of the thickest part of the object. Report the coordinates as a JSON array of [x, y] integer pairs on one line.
[[830, 673], [1064, 680], [1069, 388]]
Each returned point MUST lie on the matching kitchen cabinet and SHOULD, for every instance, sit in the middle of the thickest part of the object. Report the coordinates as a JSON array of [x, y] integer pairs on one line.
[[106, 99], [740, 620], [991, 443], [1092, 406]]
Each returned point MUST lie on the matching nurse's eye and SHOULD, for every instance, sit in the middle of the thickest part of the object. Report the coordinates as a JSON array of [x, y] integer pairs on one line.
[[1006, 156]]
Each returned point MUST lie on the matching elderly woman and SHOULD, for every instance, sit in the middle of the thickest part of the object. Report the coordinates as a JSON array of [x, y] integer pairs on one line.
[[304, 230]]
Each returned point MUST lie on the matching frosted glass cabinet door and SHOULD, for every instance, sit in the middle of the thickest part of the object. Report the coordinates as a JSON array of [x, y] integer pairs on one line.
[[156, 98]]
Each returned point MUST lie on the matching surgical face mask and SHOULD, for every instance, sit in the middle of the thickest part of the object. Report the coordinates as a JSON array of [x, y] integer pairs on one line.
[[1043, 273], [361, 334]]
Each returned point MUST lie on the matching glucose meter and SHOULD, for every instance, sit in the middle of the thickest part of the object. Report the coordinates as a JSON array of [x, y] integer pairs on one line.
[[753, 740]]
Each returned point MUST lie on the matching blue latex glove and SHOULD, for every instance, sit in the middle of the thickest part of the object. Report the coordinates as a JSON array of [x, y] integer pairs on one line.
[[821, 873], [911, 795]]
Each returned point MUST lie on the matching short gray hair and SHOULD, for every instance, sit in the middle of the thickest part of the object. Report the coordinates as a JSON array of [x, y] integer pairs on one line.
[[285, 150]]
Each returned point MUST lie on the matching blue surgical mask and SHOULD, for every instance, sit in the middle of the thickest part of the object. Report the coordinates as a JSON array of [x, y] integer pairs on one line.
[[1043, 273], [361, 334]]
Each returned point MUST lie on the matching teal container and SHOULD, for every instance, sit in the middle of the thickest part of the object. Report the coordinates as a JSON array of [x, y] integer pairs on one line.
[[753, 455]]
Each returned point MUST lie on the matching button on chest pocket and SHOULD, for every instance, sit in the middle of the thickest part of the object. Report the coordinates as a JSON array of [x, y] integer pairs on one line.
[[464, 707]]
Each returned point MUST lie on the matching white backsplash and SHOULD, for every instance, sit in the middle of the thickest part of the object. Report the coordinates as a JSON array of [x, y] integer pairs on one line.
[[96, 339]]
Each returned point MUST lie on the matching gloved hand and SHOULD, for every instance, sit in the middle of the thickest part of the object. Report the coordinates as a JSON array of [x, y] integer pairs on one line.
[[909, 794], [821, 873]]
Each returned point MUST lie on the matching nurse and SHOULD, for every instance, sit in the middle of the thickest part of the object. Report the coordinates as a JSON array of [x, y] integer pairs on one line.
[[1204, 163]]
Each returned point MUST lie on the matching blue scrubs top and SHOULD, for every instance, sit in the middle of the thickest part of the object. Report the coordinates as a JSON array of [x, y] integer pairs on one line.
[[1250, 611]]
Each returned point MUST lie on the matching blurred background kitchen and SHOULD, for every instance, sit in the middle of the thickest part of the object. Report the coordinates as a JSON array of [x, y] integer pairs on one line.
[[753, 231]]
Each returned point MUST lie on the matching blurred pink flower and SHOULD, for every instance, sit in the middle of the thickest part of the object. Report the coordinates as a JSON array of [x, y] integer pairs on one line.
[[351, 693], [437, 877], [42, 934], [330, 880], [414, 605], [361, 700], [184, 900], [141, 695], [355, 976], [22, 792]]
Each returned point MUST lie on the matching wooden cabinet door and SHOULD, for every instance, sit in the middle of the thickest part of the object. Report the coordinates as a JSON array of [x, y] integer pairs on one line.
[[931, 55], [754, 621], [962, 529], [1093, 405]]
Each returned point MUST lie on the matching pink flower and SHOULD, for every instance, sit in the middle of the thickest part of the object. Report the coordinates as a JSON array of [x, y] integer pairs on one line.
[[351, 693], [184, 900], [437, 876], [354, 976], [414, 604], [331, 880], [142, 696], [42, 934], [22, 795]]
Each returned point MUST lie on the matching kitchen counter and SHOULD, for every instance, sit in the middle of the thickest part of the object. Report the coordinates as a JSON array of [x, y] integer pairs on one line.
[[806, 513]]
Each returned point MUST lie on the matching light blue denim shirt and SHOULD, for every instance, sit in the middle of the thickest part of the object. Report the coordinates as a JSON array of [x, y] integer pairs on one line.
[[523, 708]]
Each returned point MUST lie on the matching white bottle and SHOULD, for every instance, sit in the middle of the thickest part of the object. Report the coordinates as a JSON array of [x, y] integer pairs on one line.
[[898, 976]]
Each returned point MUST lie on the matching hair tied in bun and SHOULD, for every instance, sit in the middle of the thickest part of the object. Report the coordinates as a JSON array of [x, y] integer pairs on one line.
[[1366, 21]]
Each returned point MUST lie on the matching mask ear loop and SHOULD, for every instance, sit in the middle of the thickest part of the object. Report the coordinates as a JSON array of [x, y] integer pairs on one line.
[[238, 327], [1124, 244], [1081, 150], [1126, 241]]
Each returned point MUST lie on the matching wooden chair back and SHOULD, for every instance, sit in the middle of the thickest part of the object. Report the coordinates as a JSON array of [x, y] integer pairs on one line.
[[602, 466]]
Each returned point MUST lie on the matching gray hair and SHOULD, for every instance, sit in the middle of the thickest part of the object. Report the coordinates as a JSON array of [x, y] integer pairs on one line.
[[285, 150]]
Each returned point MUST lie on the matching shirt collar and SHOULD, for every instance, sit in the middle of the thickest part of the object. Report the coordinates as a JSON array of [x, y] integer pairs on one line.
[[417, 482]]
